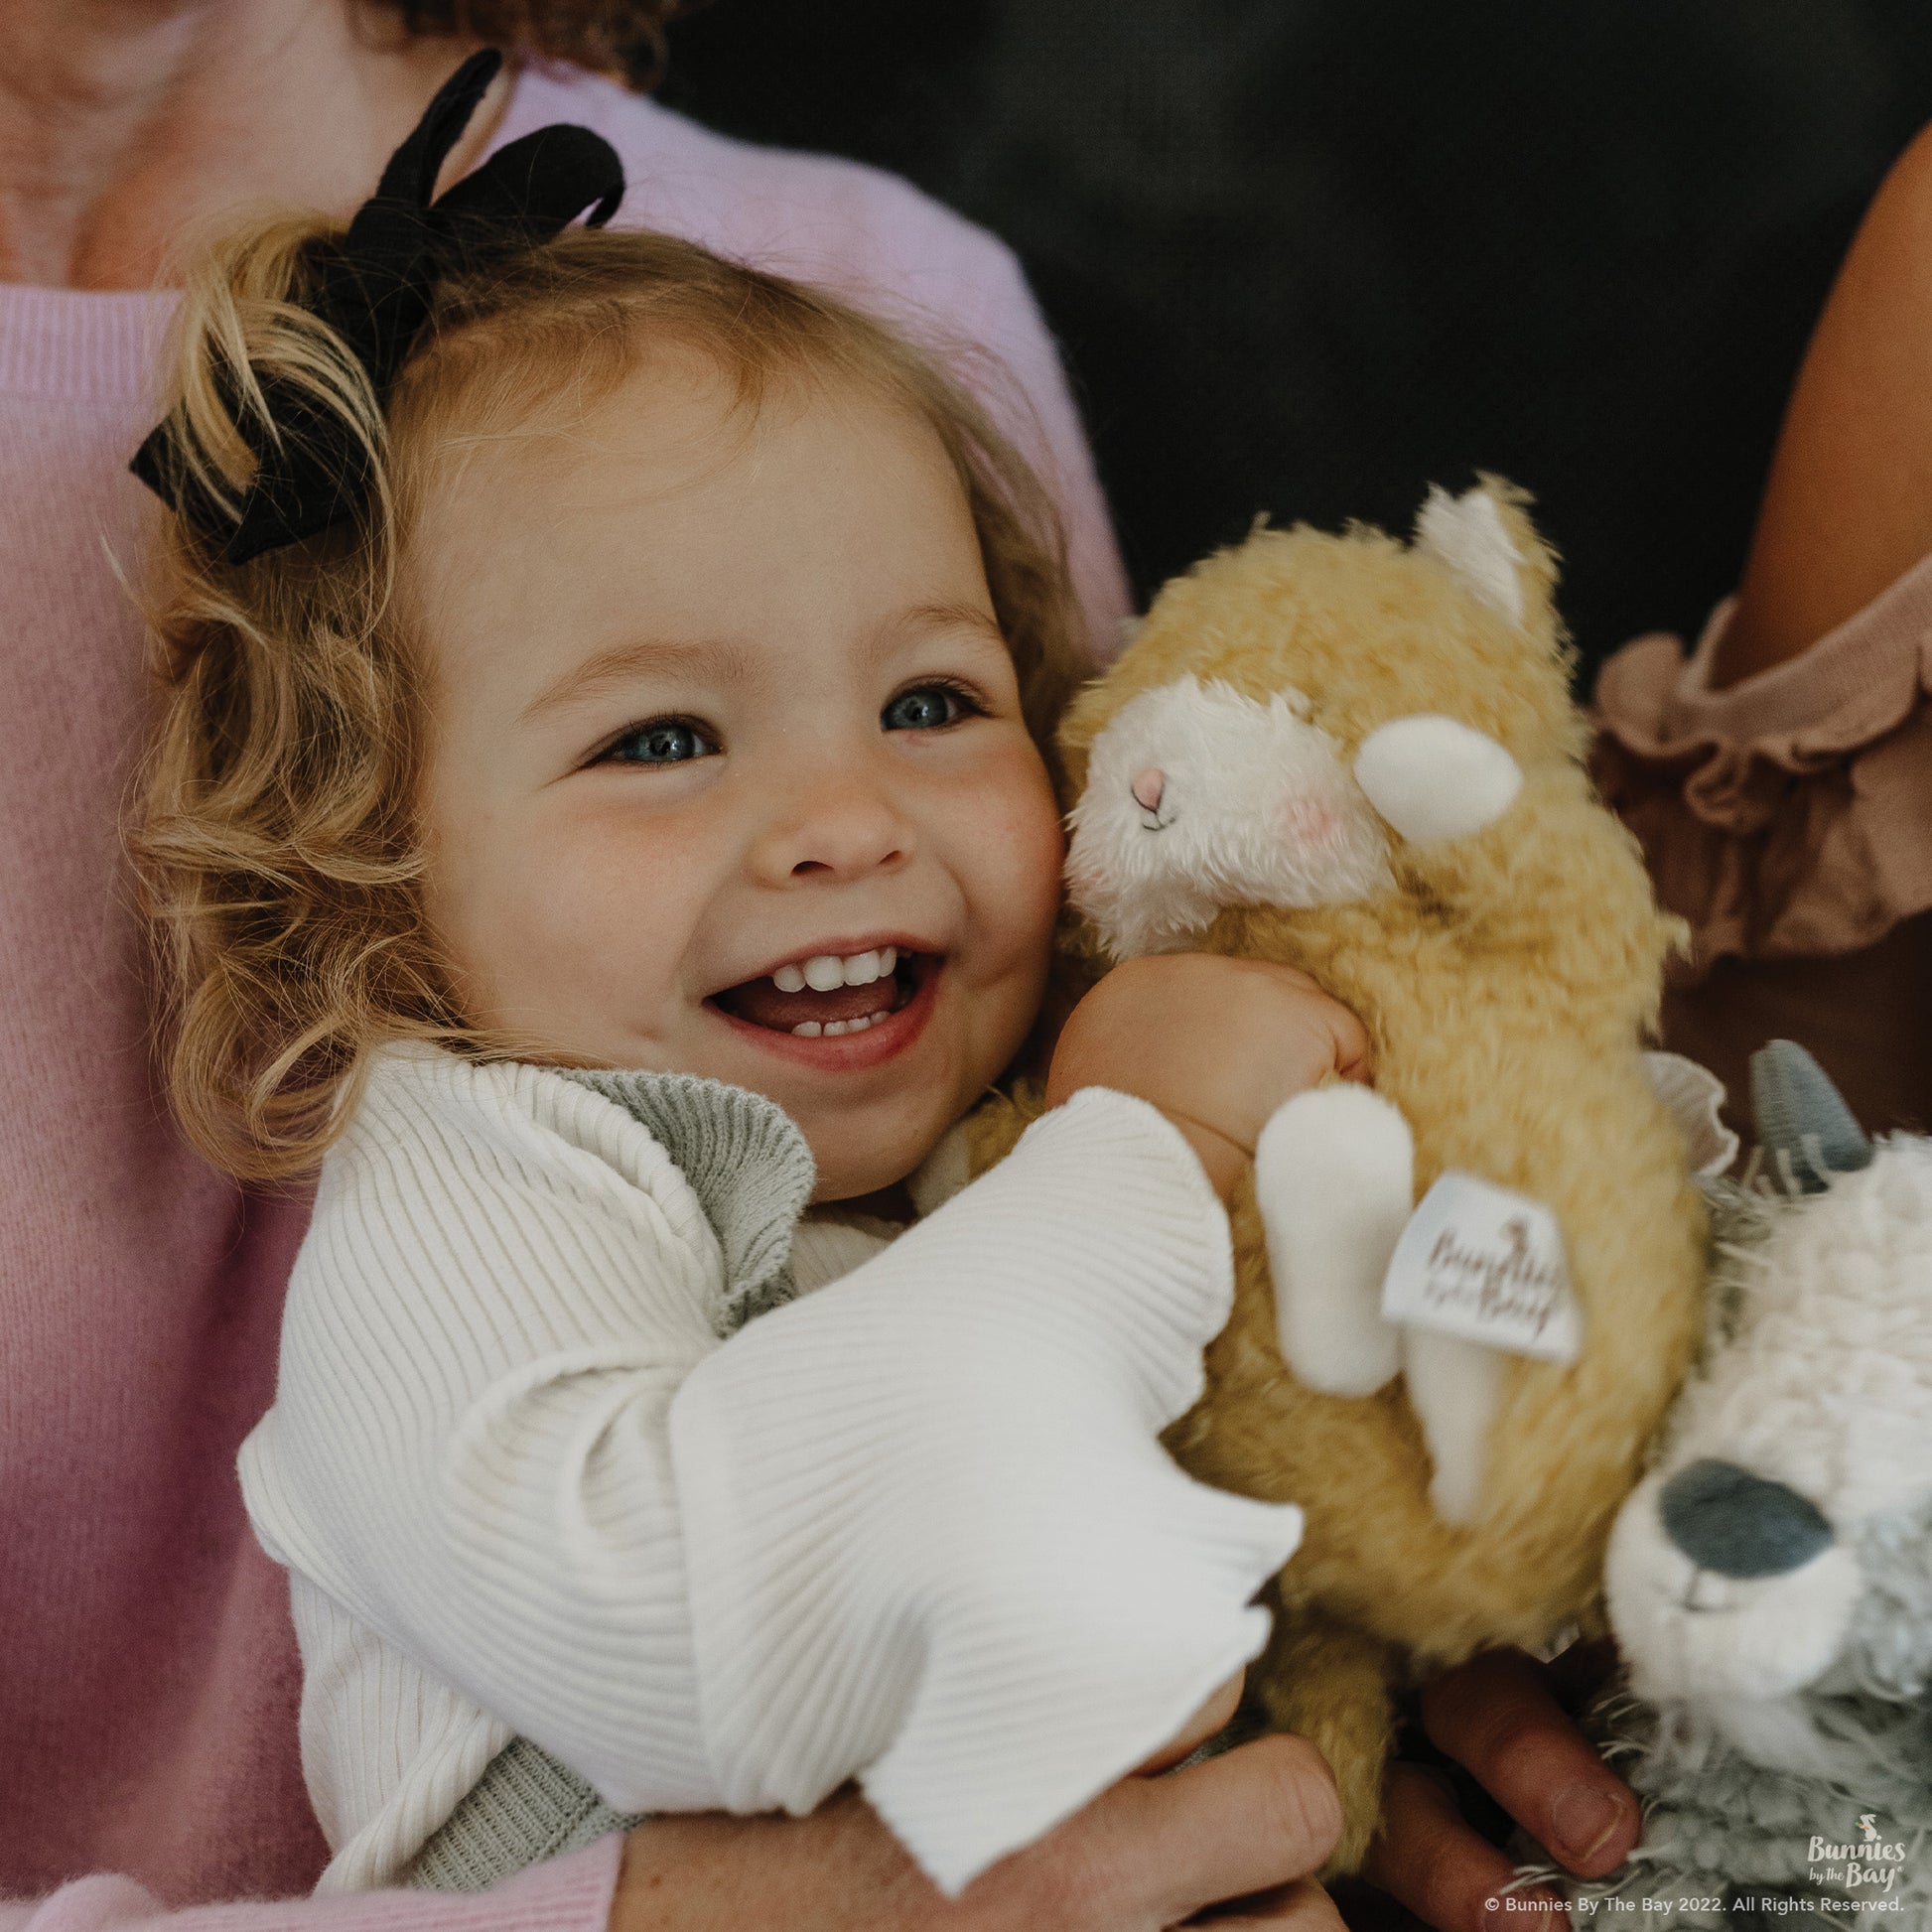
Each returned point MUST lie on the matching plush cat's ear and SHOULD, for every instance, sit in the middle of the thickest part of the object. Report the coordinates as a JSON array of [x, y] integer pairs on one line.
[[1486, 538], [1435, 778]]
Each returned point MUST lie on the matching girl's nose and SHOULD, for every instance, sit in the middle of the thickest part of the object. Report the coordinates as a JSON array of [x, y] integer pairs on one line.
[[1148, 786], [844, 825]]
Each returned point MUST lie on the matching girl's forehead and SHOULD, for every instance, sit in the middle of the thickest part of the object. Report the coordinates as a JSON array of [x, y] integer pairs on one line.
[[680, 434], [678, 506], [681, 409]]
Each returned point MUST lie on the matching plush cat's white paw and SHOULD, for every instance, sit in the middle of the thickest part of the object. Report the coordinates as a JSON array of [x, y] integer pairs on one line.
[[1334, 1180]]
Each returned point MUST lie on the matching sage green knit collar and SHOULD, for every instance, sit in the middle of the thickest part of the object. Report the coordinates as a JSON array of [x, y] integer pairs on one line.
[[747, 1162]]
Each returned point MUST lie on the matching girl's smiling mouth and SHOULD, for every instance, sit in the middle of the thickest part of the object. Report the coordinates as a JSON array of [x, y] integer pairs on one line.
[[844, 1008]]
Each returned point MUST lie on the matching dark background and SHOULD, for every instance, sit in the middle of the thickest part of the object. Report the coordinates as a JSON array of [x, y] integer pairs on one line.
[[1309, 255]]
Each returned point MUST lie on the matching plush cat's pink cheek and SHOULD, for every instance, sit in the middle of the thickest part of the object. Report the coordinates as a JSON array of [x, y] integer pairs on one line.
[[1304, 820]]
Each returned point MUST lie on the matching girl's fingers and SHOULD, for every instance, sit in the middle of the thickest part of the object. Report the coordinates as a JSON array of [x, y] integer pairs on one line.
[[1499, 1718], [1255, 1818], [1427, 1859]]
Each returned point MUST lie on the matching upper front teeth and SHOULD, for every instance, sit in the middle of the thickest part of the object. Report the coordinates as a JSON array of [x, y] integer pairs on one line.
[[826, 970]]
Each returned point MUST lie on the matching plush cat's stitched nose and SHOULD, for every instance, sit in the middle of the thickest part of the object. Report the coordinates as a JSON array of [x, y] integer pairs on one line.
[[1736, 1524], [1148, 786]]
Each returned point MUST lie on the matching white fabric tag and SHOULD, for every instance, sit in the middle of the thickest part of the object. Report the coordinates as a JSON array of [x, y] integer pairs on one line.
[[1485, 1264]]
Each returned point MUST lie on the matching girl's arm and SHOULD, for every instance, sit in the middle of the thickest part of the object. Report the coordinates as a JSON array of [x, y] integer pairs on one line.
[[915, 1526], [954, 1449]]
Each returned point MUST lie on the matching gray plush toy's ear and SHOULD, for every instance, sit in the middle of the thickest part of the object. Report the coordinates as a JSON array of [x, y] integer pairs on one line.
[[1806, 1129]]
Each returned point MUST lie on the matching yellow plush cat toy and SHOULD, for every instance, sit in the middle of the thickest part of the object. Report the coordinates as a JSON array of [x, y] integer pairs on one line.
[[1362, 759]]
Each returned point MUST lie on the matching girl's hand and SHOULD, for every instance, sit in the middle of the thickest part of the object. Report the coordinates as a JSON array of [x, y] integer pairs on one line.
[[1147, 1854], [1215, 1043]]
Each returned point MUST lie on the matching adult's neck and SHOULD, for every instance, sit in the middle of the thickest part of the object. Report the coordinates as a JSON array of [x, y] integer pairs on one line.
[[127, 125]]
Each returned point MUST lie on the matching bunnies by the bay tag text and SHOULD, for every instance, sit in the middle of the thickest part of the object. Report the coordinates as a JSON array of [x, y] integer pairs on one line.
[[1485, 1264]]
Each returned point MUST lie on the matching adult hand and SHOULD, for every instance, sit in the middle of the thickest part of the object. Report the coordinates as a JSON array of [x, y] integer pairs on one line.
[[1502, 1718], [1148, 1854]]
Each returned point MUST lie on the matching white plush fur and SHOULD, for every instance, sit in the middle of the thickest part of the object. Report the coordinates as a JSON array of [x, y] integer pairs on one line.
[[1763, 1714], [1256, 808], [1824, 1385], [1466, 532], [1334, 1183], [1455, 1387], [1689, 1634], [1435, 778]]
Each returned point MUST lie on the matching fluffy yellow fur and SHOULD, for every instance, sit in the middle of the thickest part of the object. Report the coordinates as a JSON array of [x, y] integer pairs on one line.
[[1507, 982]]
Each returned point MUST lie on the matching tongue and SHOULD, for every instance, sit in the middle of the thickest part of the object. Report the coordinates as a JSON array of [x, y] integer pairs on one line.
[[761, 1001]]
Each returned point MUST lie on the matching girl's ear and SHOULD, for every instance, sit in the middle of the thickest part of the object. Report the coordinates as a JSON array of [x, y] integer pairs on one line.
[[1435, 778], [1486, 538]]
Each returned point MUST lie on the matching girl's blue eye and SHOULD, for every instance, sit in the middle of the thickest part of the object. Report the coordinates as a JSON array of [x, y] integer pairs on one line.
[[666, 741], [924, 708]]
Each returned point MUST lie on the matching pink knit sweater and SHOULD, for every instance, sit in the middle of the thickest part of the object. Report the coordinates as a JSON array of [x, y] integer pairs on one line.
[[147, 1689]]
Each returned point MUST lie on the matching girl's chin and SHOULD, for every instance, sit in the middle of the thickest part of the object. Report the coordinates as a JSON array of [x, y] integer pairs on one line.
[[866, 1154]]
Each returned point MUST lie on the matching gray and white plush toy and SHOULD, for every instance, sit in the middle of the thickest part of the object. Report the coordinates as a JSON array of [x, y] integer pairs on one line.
[[1770, 1580]]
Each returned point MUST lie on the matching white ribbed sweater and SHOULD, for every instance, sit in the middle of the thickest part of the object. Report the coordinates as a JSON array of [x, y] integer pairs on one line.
[[914, 1528]]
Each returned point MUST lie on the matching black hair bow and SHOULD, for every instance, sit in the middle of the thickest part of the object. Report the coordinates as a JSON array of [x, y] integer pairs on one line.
[[374, 288]]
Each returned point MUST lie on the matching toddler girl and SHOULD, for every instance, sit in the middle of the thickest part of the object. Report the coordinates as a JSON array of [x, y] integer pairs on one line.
[[600, 809]]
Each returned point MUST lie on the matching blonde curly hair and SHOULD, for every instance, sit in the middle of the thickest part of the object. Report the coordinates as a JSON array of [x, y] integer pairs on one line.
[[274, 836]]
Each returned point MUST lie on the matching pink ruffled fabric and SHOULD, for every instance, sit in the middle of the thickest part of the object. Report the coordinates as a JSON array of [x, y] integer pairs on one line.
[[1789, 820], [1790, 815]]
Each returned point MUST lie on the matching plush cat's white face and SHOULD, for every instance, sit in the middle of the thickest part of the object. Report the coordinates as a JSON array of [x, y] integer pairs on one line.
[[1198, 797]]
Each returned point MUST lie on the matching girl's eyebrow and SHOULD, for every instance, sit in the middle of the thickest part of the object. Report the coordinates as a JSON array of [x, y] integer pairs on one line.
[[727, 662], [949, 617], [921, 619]]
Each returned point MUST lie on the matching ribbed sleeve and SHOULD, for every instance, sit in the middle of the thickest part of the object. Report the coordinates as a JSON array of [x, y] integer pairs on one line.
[[916, 1526], [466, 1467], [929, 1530]]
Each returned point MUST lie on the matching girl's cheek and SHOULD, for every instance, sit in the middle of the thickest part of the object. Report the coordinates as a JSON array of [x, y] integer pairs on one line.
[[587, 924], [1020, 842]]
